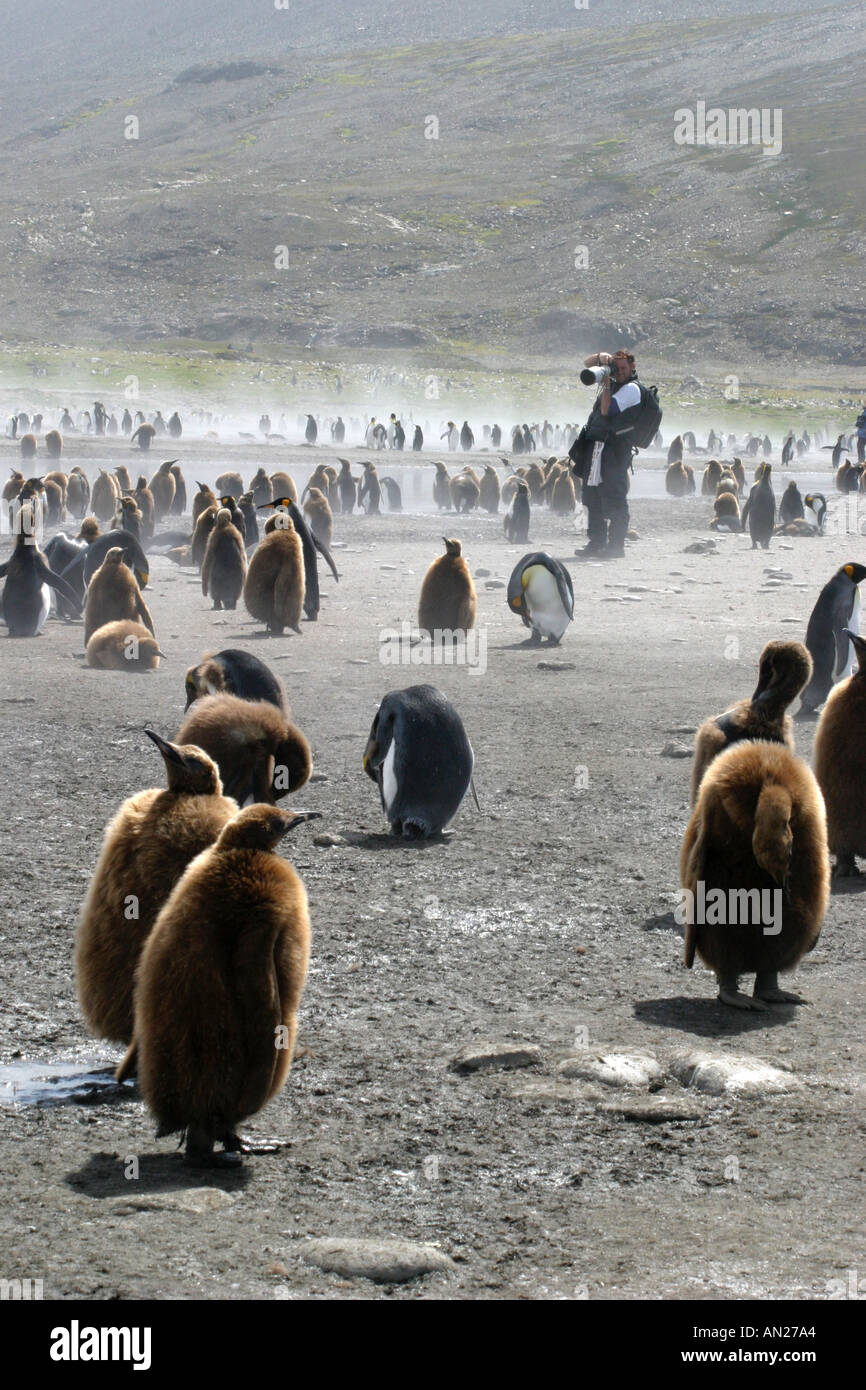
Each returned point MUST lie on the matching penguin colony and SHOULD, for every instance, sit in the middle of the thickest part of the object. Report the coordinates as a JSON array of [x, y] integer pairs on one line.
[[189, 880]]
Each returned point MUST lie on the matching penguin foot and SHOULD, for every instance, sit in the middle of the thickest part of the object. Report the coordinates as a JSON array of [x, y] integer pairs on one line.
[[767, 988], [845, 867], [238, 1144], [738, 1000], [200, 1152]]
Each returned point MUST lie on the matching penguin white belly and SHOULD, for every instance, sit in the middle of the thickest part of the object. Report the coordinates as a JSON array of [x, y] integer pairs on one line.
[[45, 608], [544, 605], [389, 779], [854, 625]]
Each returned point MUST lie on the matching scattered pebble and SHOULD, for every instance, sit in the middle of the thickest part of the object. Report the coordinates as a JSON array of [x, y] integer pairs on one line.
[[198, 1200], [385, 1261], [495, 584], [557, 666], [482, 574], [329, 840], [676, 750], [652, 1111], [494, 1057], [357, 661]]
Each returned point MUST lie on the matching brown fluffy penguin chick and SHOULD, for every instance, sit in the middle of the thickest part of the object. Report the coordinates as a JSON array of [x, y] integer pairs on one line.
[[563, 498], [465, 491], [53, 444], [490, 490], [112, 595], [274, 588], [448, 601], [679, 479], [219, 985], [201, 533], [90, 530], [144, 498], [231, 483], [282, 485], [225, 563], [784, 668], [710, 479], [123, 646], [203, 499], [840, 765], [318, 510], [145, 850], [162, 487], [726, 513], [103, 498], [260, 755], [759, 825]]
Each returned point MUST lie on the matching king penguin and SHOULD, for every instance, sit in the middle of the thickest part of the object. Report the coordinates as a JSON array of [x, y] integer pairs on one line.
[[420, 758], [830, 647], [540, 590]]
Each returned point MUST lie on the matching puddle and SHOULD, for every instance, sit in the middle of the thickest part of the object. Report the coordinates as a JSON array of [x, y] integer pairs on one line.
[[60, 1083]]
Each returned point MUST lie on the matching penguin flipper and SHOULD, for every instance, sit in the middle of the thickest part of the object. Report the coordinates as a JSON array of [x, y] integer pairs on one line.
[[4, 569], [56, 581], [143, 612], [256, 989], [566, 590]]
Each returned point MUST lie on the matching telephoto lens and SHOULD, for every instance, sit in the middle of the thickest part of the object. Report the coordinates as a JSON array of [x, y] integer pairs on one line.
[[594, 376]]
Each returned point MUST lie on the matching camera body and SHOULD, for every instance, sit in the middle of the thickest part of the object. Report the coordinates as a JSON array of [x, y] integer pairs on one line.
[[594, 376]]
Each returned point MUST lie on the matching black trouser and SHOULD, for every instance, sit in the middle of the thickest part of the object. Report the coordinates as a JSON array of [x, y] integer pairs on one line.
[[861, 449], [607, 504]]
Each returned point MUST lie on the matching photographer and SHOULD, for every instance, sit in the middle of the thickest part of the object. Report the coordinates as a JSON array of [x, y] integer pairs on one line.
[[602, 453]]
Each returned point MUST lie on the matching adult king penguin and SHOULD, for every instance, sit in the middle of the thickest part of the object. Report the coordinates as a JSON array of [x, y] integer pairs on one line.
[[421, 760], [831, 650], [540, 590]]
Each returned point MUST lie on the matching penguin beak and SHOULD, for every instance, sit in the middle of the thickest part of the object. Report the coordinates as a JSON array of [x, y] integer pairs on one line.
[[368, 762], [295, 818], [168, 750]]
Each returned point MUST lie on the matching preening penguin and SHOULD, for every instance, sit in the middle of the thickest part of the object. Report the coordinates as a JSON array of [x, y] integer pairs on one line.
[[260, 754], [758, 828], [840, 765], [143, 437], [26, 599], [123, 646], [421, 760], [760, 510], [274, 586], [233, 672], [448, 601], [113, 595], [224, 566], [783, 670], [830, 647], [541, 591], [145, 850], [215, 1040], [393, 493]]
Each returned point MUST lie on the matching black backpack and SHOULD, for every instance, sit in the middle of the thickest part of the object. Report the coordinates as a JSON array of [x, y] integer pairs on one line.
[[649, 418]]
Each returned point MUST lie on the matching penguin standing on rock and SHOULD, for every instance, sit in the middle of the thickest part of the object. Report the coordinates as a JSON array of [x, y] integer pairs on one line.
[[145, 850], [541, 591], [830, 647], [421, 760], [840, 765], [757, 836], [783, 670], [214, 1041], [760, 510]]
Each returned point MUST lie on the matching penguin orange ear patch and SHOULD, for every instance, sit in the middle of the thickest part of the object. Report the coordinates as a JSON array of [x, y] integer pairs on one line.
[[849, 570]]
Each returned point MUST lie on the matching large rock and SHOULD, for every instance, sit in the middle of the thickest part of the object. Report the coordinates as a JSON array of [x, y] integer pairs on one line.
[[493, 1056], [385, 1261]]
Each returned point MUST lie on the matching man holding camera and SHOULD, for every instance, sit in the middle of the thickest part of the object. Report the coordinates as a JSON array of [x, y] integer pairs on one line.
[[602, 453]]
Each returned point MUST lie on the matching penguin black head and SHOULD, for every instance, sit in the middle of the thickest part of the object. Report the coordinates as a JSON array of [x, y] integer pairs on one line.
[[856, 573], [378, 743], [277, 502]]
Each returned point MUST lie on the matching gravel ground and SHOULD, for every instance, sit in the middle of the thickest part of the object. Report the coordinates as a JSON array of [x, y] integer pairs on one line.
[[543, 924]]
